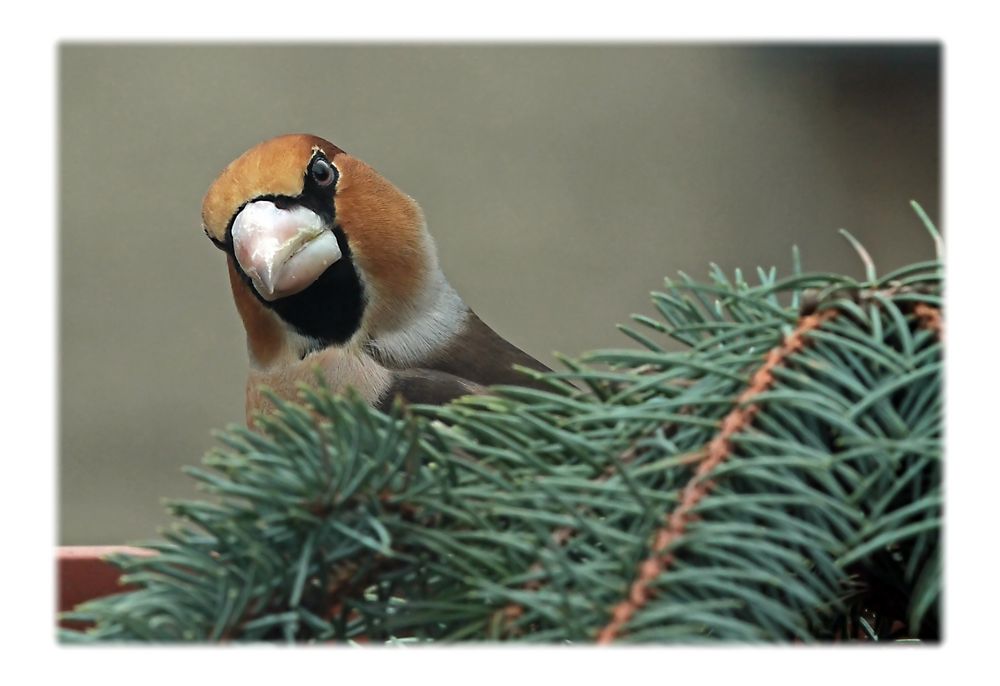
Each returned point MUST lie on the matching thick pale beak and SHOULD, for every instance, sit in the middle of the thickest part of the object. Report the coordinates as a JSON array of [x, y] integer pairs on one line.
[[282, 251]]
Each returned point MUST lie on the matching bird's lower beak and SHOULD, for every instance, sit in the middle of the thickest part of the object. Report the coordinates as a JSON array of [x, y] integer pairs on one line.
[[283, 251]]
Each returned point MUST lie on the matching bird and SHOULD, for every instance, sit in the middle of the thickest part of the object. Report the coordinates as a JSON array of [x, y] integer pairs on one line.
[[333, 271]]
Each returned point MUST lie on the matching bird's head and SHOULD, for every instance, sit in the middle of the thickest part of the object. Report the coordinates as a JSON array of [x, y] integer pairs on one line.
[[318, 239]]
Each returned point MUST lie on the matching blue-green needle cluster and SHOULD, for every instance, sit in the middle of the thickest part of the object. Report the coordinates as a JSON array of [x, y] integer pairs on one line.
[[533, 516]]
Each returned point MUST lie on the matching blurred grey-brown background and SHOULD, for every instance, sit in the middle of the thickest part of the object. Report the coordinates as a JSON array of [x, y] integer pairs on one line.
[[560, 182]]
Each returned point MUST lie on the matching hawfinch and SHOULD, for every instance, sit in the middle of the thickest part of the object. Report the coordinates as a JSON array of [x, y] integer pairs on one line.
[[331, 266]]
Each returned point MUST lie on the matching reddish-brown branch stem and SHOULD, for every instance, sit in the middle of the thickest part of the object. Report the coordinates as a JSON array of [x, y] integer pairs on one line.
[[719, 448], [930, 318]]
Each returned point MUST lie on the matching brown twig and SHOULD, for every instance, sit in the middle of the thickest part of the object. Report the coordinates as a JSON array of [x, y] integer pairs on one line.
[[699, 486], [930, 318]]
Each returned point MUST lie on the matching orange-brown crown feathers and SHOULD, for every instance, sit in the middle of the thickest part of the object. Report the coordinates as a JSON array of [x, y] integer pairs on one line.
[[274, 167]]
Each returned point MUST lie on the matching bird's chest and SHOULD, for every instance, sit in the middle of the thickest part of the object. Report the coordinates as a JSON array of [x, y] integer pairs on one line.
[[339, 369]]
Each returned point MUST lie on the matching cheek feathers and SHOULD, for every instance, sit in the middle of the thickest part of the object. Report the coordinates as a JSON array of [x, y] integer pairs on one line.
[[385, 228], [265, 337]]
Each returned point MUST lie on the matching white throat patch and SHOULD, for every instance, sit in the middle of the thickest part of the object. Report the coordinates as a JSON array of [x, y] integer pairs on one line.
[[434, 320]]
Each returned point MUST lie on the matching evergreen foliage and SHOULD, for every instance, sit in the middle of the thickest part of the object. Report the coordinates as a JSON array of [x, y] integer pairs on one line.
[[778, 479]]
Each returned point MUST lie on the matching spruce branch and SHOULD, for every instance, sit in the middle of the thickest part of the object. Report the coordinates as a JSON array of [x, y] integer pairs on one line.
[[695, 490], [778, 479]]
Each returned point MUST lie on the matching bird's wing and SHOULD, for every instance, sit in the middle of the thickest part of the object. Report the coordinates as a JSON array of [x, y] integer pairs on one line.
[[481, 355], [426, 387]]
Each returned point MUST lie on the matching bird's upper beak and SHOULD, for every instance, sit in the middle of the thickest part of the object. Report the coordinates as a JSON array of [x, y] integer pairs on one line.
[[283, 251]]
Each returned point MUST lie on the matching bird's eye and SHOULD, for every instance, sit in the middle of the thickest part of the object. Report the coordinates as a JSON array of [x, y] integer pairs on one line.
[[322, 172]]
